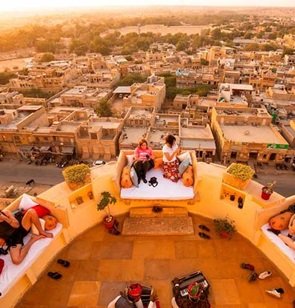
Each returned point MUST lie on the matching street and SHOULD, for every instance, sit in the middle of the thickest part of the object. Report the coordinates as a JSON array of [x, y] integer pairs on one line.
[[21, 172]]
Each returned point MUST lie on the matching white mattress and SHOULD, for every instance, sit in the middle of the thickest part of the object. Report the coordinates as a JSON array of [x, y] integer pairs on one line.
[[289, 252], [166, 189], [12, 273]]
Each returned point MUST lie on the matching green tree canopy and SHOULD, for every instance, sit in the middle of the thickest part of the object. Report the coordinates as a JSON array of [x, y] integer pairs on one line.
[[104, 109]]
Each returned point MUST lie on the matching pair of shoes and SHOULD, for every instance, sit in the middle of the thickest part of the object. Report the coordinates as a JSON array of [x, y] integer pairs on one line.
[[253, 277], [264, 275], [203, 227], [54, 275], [278, 292], [204, 235], [144, 180], [247, 266], [64, 263]]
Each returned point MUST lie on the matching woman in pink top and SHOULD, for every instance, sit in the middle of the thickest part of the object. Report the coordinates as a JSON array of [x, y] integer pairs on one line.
[[144, 160]]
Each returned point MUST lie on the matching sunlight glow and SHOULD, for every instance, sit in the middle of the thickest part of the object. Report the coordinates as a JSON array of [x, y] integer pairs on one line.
[[21, 5]]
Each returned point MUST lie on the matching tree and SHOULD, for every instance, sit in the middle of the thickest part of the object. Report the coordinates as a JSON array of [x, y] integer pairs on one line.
[[47, 57], [204, 62], [131, 78], [5, 77], [104, 109]]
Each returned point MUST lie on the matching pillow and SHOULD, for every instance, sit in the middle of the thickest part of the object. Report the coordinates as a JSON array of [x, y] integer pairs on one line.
[[134, 177], [158, 163], [26, 202], [185, 155], [183, 165], [280, 221], [34, 229], [130, 159], [50, 222], [126, 181], [187, 179], [41, 210]]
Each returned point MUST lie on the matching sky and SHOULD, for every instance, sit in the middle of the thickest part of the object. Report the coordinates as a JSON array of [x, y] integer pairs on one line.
[[25, 5]]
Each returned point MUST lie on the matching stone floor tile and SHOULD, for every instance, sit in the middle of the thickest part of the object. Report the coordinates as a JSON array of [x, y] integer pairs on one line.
[[150, 249], [110, 250], [79, 250], [249, 290], [163, 290], [186, 249], [87, 270], [110, 290], [225, 292], [84, 293], [121, 270], [156, 269]]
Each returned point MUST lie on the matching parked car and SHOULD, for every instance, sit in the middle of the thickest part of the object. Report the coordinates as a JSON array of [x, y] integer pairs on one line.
[[98, 162]]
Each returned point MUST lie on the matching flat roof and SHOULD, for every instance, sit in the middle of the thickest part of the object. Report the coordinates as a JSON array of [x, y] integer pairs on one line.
[[134, 134], [249, 133], [122, 90], [197, 132]]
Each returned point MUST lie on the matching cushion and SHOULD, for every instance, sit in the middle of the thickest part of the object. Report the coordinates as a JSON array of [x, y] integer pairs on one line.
[[280, 221], [185, 155], [166, 189], [26, 202], [50, 222], [158, 163], [134, 177], [41, 210], [187, 179], [34, 229], [130, 159], [125, 179], [183, 165]]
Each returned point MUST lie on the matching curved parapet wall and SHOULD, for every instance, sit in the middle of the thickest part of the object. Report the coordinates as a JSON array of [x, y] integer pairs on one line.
[[79, 212]]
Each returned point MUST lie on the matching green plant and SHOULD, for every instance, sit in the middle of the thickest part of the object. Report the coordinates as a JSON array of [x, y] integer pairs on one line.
[[224, 225], [105, 201], [241, 171], [76, 173]]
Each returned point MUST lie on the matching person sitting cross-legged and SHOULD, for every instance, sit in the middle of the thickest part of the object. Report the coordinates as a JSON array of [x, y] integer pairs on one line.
[[13, 229]]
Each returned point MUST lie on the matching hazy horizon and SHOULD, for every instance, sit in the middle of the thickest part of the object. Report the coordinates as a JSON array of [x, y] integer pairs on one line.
[[28, 5]]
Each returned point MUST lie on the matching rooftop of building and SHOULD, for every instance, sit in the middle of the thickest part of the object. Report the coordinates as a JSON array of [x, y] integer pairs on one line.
[[252, 134]]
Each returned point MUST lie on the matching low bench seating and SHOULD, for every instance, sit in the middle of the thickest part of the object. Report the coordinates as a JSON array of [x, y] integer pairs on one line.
[[165, 190], [271, 245], [16, 279]]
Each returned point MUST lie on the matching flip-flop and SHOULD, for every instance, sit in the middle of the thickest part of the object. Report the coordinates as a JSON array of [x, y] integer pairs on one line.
[[203, 227], [64, 263], [247, 266], [54, 275], [204, 235]]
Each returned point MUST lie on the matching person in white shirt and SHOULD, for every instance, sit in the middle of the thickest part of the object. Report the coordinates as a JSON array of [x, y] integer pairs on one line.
[[170, 161]]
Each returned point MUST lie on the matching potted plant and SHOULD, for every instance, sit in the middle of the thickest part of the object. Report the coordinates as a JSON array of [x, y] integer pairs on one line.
[[77, 176], [238, 175], [105, 201], [267, 190], [225, 227], [194, 291]]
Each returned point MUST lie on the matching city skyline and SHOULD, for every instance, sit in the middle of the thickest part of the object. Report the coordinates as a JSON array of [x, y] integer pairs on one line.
[[19, 5]]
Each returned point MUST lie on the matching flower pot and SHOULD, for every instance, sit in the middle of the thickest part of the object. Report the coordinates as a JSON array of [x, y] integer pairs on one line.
[[265, 193], [194, 291], [224, 234], [233, 181], [109, 222]]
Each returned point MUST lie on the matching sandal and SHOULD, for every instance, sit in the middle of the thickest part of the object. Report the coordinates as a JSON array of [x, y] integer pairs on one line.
[[54, 275], [64, 263], [247, 266], [203, 227], [204, 235]]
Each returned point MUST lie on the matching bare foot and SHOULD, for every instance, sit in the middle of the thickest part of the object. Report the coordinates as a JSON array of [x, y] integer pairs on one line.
[[36, 237], [46, 234]]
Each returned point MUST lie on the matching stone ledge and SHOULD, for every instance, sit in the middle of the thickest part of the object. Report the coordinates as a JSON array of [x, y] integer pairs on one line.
[[166, 212]]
